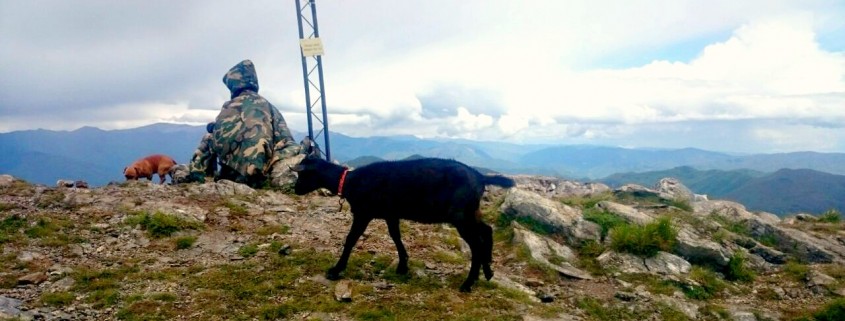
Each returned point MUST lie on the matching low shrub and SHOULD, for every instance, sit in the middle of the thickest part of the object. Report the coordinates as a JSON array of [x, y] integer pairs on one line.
[[160, 225], [830, 216], [604, 219], [737, 270], [645, 240], [10, 226], [797, 271], [185, 242], [709, 284], [832, 311]]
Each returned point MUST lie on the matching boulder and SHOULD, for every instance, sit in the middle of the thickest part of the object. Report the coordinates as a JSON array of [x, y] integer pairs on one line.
[[543, 249], [6, 180], [628, 213], [222, 187], [64, 183], [661, 264], [554, 186], [700, 250], [674, 189], [9, 308], [553, 216], [804, 246]]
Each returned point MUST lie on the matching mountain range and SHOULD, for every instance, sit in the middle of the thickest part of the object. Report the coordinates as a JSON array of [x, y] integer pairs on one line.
[[99, 156], [781, 192]]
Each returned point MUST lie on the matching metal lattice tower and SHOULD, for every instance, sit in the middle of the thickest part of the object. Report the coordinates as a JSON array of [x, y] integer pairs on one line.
[[313, 61]]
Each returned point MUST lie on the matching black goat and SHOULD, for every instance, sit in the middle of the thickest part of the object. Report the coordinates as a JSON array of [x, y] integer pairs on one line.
[[428, 190]]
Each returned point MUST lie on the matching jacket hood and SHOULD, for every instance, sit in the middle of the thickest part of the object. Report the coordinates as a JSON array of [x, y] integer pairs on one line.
[[241, 77]]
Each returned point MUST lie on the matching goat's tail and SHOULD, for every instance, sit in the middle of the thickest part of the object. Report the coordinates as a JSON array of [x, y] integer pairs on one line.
[[498, 180]]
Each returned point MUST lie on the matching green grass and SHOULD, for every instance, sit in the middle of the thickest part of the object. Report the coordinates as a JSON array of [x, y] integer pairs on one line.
[[57, 299], [248, 250], [735, 227], [160, 225], [604, 219], [9, 227], [587, 201], [796, 270], [645, 240], [709, 284], [830, 216], [737, 269], [832, 311], [7, 207], [185, 242], [236, 209]]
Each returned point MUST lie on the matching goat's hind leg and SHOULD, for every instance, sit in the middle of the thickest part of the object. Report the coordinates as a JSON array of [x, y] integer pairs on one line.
[[358, 227], [486, 234], [469, 233], [393, 229]]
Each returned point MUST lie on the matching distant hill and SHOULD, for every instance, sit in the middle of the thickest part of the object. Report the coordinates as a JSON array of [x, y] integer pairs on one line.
[[599, 161], [783, 192], [98, 156], [91, 154], [791, 191], [715, 183]]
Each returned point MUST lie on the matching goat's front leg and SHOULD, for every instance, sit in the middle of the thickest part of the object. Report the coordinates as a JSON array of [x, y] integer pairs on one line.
[[358, 227], [393, 229]]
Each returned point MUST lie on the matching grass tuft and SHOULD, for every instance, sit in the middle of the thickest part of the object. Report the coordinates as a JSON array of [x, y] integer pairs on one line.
[[160, 225], [645, 240], [738, 270]]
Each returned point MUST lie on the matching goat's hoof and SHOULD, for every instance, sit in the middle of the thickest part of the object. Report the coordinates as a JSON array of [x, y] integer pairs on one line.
[[488, 273], [402, 269], [466, 288], [333, 275]]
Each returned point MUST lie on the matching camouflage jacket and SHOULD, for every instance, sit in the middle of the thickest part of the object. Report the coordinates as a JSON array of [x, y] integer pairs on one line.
[[250, 135]]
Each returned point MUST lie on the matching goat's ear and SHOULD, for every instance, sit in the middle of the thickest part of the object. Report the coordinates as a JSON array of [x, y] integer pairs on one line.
[[297, 168]]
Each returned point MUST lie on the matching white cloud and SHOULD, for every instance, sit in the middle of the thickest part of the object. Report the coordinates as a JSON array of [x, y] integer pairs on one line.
[[534, 65]]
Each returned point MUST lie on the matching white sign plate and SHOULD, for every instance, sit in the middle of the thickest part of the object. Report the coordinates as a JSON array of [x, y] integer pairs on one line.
[[311, 47]]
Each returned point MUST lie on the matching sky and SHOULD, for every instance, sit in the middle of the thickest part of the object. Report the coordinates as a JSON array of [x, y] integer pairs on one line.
[[752, 76]]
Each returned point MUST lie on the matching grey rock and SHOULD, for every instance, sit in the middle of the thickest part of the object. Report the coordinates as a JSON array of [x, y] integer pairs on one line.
[[553, 186], [9, 308], [806, 217], [553, 216], [676, 191], [625, 296], [222, 187], [769, 254], [667, 264], [6, 180], [628, 213], [504, 281], [687, 308], [697, 249], [788, 240], [542, 249], [661, 264], [742, 316]]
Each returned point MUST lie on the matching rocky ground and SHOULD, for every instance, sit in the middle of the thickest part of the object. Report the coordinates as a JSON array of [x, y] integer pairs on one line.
[[223, 251]]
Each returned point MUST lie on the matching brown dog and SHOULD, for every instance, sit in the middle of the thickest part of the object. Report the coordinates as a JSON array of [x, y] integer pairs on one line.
[[147, 166]]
